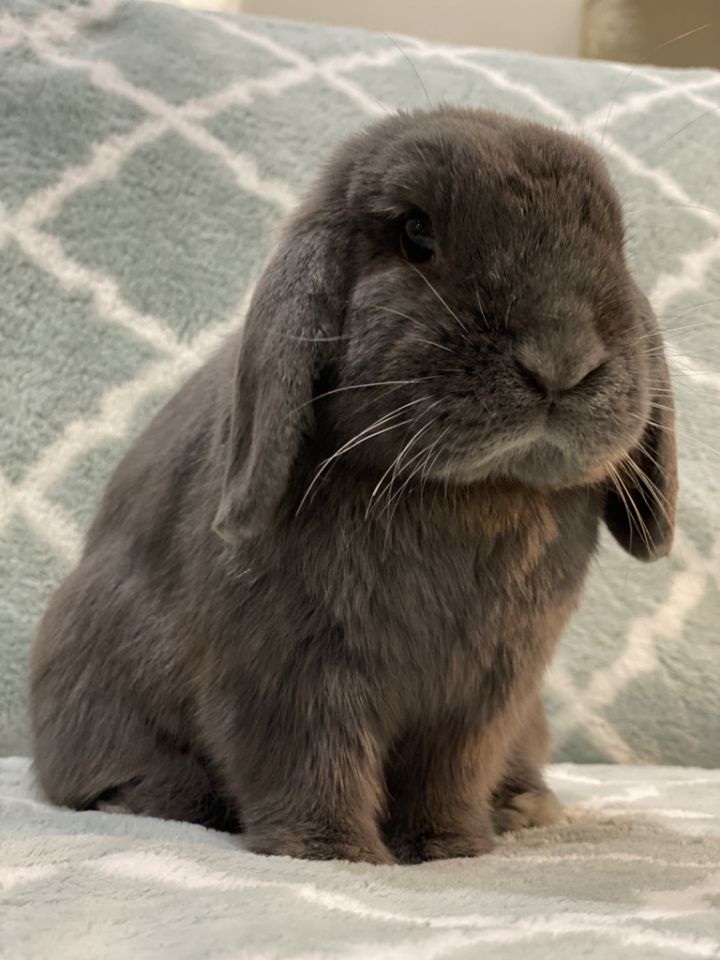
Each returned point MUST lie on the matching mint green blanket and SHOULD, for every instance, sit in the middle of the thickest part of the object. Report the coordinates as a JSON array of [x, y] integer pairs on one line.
[[146, 153], [632, 874]]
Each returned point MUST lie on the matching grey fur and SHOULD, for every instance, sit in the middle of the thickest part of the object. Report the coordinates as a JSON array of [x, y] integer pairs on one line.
[[352, 669]]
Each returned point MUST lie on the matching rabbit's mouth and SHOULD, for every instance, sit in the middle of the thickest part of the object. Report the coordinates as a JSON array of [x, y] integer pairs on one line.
[[559, 446], [546, 464]]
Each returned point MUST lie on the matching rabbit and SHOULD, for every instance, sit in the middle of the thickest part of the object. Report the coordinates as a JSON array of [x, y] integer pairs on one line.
[[321, 589]]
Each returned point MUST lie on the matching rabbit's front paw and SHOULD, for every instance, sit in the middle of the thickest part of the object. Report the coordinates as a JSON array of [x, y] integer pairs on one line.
[[317, 848], [532, 809], [431, 845]]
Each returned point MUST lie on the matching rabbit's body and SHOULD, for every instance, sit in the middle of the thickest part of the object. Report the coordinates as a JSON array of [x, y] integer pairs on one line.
[[357, 673], [435, 650]]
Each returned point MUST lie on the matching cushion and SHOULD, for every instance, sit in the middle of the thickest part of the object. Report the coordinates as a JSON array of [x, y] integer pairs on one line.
[[148, 153]]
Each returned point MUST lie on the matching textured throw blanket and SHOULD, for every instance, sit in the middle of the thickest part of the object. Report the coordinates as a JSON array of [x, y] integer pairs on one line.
[[633, 875], [146, 154]]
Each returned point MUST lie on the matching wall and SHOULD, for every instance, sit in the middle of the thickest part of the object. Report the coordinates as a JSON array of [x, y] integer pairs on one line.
[[544, 26], [666, 32]]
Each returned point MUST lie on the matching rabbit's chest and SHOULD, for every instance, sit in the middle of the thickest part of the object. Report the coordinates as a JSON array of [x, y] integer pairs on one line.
[[458, 617], [452, 605], [471, 595]]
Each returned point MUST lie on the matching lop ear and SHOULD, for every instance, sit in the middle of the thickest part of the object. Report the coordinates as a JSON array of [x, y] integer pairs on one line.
[[298, 304], [642, 517]]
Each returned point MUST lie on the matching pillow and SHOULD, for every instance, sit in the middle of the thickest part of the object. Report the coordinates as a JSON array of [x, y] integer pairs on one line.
[[147, 154]]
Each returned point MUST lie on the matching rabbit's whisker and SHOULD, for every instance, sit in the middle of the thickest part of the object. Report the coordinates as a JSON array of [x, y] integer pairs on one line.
[[439, 297], [411, 460], [480, 306], [396, 462], [679, 333], [673, 331], [362, 386], [346, 449], [668, 429], [423, 327], [614, 101], [396, 497], [654, 500], [649, 456], [671, 350], [431, 461], [686, 416], [629, 462], [412, 66], [431, 343], [657, 146], [661, 46], [398, 313], [656, 495], [507, 316], [360, 437], [382, 478], [628, 502], [412, 440], [294, 336], [629, 211]]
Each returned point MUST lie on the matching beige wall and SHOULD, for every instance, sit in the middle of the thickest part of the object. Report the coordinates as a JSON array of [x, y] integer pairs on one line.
[[666, 32], [544, 26]]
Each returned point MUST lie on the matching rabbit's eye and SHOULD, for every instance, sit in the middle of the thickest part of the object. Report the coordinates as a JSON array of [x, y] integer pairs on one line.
[[416, 236]]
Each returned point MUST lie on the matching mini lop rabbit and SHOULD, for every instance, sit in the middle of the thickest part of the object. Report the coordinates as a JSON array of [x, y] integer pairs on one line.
[[321, 589]]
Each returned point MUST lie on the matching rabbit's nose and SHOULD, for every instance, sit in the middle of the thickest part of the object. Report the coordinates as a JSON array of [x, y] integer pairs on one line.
[[553, 372]]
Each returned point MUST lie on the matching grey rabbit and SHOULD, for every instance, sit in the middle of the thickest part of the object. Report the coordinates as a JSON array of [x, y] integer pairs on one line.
[[321, 589]]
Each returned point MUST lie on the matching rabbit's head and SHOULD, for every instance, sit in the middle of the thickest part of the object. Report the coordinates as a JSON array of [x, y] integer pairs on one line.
[[453, 298]]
